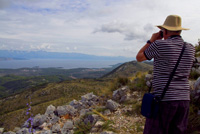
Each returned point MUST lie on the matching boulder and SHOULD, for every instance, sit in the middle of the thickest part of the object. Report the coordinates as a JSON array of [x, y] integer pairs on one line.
[[91, 119], [107, 132], [23, 131], [121, 94], [197, 84], [148, 77], [1, 130], [112, 105], [68, 109], [39, 120], [10, 132], [46, 132], [84, 112], [53, 119], [88, 97], [76, 104], [68, 125], [50, 110], [56, 128]]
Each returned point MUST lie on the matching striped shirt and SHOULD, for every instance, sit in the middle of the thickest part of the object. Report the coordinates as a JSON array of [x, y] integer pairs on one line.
[[166, 54]]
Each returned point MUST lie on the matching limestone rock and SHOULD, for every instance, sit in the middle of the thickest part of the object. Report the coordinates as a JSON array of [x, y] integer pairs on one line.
[[68, 109], [68, 125], [91, 119], [197, 84], [10, 132], [50, 110], [89, 96], [1, 130], [112, 105], [107, 132], [46, 132], [56, 128], [23, 131], [76, 104], [148, 77], [39, 120], [121, 94]]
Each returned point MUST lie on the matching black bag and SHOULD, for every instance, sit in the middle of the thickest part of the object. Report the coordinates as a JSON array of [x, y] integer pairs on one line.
[[150, 102], [150, 105]]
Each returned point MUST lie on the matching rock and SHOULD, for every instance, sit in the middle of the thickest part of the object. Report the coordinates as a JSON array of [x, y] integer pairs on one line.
[[91, 119], [107, 132], [50, 110], [84, 112], [16, 129], [99, 124], [89, 96], [68, 125], [191, 83], [68, 109], [198, 59], [67, 132], [121, 94], [10, 132], [148, 77], [56, 128], [46, 132], [23, 131], [112, 105], [197, 84], [124, 90], [148, 83], [53, 119], [198, 112], [76, 104], [97, 127], [39, 120], [107, 112], [1, 130]]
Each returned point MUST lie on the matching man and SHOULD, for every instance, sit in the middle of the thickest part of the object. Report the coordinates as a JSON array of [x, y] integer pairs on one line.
[[174, 107]]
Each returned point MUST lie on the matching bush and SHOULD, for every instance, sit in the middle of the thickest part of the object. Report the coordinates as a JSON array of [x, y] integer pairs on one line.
[[118, 82], [194, 75]]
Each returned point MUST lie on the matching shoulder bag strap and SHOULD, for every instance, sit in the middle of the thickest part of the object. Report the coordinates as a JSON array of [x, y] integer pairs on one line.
[[173, 72]]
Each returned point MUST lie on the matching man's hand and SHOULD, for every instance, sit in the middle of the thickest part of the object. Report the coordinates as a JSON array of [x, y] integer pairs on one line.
[[156, 36]]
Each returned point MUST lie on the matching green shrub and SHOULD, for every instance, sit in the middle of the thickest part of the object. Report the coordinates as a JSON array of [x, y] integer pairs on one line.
[[194, 75], [118, 82]]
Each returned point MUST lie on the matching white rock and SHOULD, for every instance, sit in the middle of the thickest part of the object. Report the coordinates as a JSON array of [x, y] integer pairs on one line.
[[197, 84], [50, 110], [112, 105]]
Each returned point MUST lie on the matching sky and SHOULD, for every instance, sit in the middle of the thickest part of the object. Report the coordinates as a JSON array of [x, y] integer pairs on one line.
[[96, 27]]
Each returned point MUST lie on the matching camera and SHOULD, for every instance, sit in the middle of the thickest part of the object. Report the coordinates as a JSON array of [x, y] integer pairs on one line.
[[161, 34]]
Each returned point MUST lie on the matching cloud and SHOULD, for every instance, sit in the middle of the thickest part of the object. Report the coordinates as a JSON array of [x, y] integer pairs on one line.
[[4, 4], [130, 31], [119, 28]]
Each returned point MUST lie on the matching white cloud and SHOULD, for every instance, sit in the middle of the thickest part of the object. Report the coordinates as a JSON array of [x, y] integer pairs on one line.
[[100, 27]]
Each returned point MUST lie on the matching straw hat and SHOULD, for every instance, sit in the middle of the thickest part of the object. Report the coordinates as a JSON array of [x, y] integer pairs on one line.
[[172, 23]]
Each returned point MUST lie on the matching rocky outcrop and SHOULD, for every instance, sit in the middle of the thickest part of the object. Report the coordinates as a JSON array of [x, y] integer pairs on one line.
[[67, 119], [122, 94]]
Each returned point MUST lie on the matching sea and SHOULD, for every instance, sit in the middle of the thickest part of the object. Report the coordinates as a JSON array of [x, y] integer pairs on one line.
[[58, 63]]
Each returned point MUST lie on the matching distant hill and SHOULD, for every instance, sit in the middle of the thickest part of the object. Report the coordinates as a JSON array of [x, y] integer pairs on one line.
[[15, 54], [129, 69]]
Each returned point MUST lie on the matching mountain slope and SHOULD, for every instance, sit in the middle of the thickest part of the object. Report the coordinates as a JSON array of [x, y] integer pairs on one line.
[[129, 69]]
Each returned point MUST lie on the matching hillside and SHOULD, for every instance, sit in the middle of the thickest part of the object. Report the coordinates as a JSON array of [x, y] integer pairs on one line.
[[129, 69], [14, 81]]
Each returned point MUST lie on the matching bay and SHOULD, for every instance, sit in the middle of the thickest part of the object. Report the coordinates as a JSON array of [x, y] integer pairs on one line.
[[58, 63]]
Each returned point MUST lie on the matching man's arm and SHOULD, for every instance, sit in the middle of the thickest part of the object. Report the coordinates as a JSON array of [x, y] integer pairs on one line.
[[140, 56]]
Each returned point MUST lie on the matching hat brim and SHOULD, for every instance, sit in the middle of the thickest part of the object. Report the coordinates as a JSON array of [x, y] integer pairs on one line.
[[172, 28]]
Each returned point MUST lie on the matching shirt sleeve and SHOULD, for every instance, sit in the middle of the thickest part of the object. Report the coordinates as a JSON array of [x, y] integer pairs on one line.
[[152, 51]]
